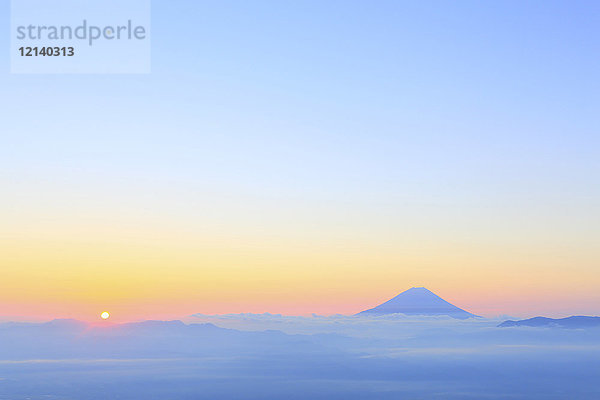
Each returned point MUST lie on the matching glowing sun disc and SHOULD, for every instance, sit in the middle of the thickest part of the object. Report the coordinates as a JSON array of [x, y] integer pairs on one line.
[[104, 315]]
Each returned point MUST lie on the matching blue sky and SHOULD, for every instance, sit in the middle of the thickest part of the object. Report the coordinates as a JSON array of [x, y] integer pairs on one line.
[[450, 122]]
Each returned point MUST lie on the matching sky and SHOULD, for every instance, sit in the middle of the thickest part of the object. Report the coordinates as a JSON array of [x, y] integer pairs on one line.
[[311, 157]]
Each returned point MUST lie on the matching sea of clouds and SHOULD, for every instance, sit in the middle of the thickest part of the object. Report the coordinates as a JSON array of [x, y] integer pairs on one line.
[[267, 356]]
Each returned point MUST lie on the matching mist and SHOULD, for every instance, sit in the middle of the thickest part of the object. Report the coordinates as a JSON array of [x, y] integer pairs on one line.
[[265, 356]]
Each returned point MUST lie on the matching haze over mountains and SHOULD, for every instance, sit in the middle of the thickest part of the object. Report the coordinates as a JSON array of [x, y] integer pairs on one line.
[[574, 322], [336, 357], [418, 301], [383, 353]]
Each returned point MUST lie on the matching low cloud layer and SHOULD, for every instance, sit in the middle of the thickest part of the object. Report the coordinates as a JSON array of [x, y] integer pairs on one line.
[[264, 356]]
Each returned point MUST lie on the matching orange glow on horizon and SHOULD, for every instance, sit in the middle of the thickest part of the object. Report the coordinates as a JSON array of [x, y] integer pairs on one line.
[[157, 275]]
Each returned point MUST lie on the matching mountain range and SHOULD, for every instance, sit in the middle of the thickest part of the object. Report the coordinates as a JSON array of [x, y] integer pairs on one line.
[[573, 322]]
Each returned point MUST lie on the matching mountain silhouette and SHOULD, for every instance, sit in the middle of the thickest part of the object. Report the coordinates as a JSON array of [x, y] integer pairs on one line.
[[574, 322], [418, 301]]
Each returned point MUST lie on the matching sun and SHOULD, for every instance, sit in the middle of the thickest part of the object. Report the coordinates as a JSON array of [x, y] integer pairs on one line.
[[105, 315]]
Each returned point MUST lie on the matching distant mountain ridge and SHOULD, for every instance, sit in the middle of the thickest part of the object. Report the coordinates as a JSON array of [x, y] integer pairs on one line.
[[63, 339], [569, 322], [418, 301]]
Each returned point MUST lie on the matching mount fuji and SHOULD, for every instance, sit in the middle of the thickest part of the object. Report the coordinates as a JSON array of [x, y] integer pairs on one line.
[[418, 301]]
